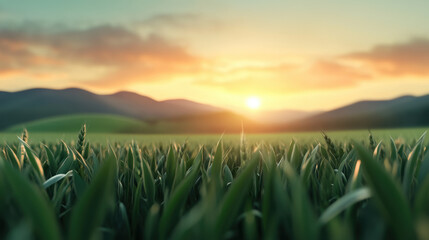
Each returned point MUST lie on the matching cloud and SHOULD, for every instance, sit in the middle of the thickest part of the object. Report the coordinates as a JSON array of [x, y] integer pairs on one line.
[[408, 58], [112, 57], [331, 74], [388, 62], [382, 63], [286, 78], [188, 22], [109, 45], [124, 56]]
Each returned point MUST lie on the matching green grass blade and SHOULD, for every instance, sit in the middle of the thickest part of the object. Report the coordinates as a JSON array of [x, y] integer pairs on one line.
[[54, 179], [79, 185], [391, 201], [170, 168], [422, 198], [424, 168], [393, 150], [216, 170], [250, 226], [343, 203], [13, 158], [148, 182], [125, 225], [411, 168], [235, 196], [34, 160], [53, 165], [151, 222], [91, 208], [32, 203], [67, 164], [304, 223], [178, 198], [227, 175]]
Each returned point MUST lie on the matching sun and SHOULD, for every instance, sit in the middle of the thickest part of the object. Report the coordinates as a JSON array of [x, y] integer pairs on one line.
[[253, 102]]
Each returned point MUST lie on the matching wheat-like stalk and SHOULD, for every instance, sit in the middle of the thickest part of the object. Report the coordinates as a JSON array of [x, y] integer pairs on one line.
[[81, 140]]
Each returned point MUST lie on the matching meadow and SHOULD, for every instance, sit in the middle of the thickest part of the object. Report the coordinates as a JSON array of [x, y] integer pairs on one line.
[[96, 136], [314, 185]]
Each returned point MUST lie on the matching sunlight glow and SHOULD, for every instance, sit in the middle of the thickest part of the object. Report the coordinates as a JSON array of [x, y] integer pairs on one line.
[[253, 102]]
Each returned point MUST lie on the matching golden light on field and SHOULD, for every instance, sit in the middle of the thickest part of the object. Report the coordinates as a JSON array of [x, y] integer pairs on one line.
[[253, 102]]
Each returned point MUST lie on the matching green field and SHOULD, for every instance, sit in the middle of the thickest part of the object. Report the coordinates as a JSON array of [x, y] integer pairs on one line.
[[343, 185], [72, 123], [401, 134], [116, 124]]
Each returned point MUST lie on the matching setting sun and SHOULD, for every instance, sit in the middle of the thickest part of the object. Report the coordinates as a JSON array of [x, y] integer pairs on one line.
[[253, 102]]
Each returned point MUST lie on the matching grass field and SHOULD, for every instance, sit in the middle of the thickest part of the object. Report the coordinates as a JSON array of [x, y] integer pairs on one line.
[[72, 123], [343, 185], [402, 134], [116, 124]]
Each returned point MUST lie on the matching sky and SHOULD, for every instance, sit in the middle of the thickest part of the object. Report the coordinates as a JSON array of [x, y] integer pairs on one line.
[[304, 55]]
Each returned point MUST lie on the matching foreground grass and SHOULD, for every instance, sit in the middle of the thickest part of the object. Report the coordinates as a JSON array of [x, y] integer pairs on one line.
[[317, 188]]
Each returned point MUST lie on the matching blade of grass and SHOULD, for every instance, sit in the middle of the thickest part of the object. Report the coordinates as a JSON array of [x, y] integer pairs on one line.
[[343, 203], [54, 179], [411, 168], [391, 201], [91, 208], [32, 204], [13, 158], [234, 197], [177, 199], [34, 160]]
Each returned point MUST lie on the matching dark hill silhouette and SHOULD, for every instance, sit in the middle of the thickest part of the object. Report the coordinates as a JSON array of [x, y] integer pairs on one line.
[[192, 106], [405, 111], [180, 115], [34, 104]]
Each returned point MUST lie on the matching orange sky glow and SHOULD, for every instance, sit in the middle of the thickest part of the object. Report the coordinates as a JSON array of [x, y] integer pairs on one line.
[[305, 55]]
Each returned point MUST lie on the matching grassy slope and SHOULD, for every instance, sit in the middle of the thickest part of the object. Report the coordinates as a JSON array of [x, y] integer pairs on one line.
[[223, 122], [72, 123]]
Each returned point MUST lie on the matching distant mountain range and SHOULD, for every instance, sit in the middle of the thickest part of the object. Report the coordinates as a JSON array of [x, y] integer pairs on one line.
[[184, 116]]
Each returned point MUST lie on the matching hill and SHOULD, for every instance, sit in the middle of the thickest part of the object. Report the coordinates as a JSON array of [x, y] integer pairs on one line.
[[405, 111], [53, 110], [34, 104], [222, 122], [73, 123]]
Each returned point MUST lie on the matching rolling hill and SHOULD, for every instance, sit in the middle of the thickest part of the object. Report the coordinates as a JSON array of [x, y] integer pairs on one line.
[[127, 112], [33, 104], [220, 122], [72, 123], [405, 111]]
